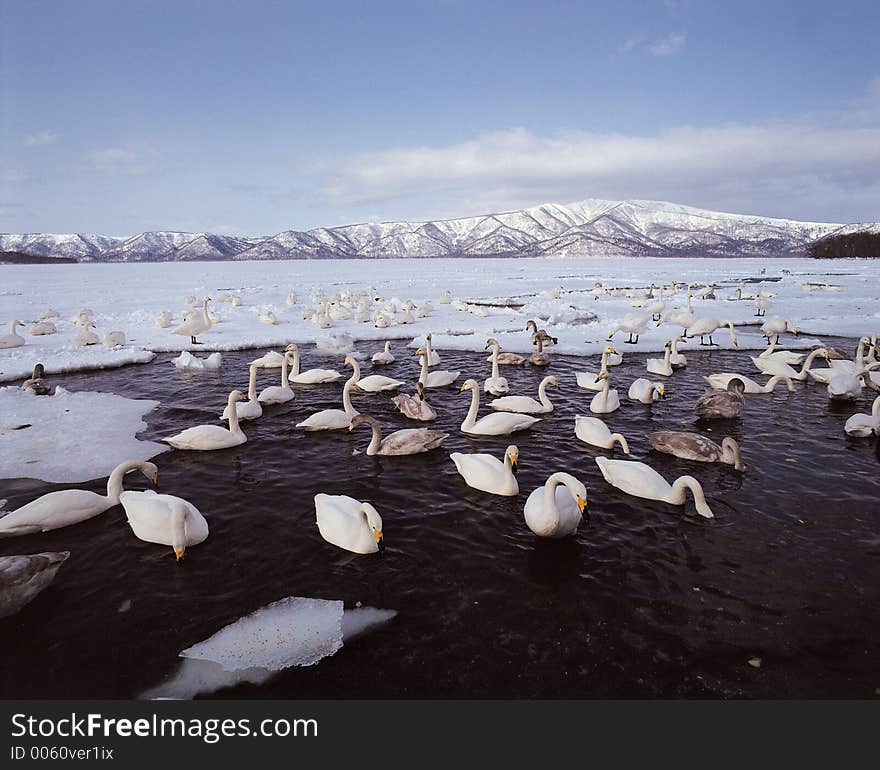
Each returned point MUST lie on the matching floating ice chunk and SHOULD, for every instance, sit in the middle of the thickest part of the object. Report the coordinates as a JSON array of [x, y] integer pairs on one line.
[[334, 344]]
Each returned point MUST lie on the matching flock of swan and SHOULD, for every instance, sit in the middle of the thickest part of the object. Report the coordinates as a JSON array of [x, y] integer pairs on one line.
[[554, 509]]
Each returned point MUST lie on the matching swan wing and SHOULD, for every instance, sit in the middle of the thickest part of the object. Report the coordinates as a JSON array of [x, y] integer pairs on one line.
[[340, 523], [521, 404], [634, 478], [326, 419], [54, 510], [204, 437], [411, 441]]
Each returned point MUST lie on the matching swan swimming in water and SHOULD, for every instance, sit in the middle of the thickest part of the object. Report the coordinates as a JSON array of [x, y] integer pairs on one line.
[[863, 425], [722, 404], [251, 409], [373, 383], [23, 577], [334, 419], [408, 441], [210, 437], [593, 431], [164, 519], [527, 404], [497, 424], [693, 446], [310, 376], [556, 508], [606, 400], [590, 380], [489, 474], [496, 384], [348, 523], [645, 391], [772, 366], [415, 406], [277, 394], [438, 379], [720, 381], [384, 356], [507, 359]]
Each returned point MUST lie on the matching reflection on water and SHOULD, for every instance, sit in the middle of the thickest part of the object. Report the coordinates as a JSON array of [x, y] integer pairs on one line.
[[646, 600]]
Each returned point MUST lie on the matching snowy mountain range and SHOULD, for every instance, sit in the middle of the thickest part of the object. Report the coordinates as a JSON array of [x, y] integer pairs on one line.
[[588, 228]]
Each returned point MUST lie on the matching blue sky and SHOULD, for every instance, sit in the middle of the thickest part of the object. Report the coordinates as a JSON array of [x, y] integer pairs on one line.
[[256, 117]]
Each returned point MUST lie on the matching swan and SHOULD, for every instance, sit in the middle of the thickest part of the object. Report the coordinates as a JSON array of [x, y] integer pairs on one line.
[[541, 333], [164, 519], [405, 316], [847, 386], [267, 317], [496, 384], [497, 424], [505, 359], [85, 336], [209, 437], [786, 356], [641, 480], [591, 381], [864, 424], [632, 324], [445, 298], [438, 379], [112, 339], [373, 383], [384, 356], [761, 305], [556, 508], [771, 366], [379, 320], [415, 406], [333, 419], [71, 506], [720, 380], [23, 577], [677, 359], [776, 326], [539, 357], [656, 308], [291, 298], [527, 404], [36, 384], [162, 320], [278, 394], [195, 325], [433, 355], [606, 400], [722, 404], [50, 313], [705, 327], [310, 376], [593, 431], [349, 523], [41, 328], [693, 446], [487, 473], [408, 441], [646, 391], [251, 409], [682, 317], [663, 365], [271, 360]]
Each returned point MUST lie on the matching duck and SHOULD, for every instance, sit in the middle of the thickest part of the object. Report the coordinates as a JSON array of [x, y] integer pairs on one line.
[[415, 406], [86, 336], [162, 320], [164, 519], [645, 391], [383, 357], [195, 324], [527, 404], [71, 506], [278, 394], [334, 419], [496, 384], [487, 473], [22, 577], [590, 380], [373, 383], [409, 441], [497, 424], [862, 425], [437, 379], [641, 480], [593, 431], [36, 384], [705, 327], [772, 366], [606, 400], [632, 324], [662, 366], [555, 509], [251, 409], [348, 523], [720, 381], [504, 359], [676, 359], [310, 376], [539, 357], [41, 328], [211, 437], [693, 446], [114, 338], [722, 404]]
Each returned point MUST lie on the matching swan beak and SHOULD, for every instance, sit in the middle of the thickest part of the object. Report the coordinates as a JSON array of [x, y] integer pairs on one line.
[[461, 389], [357, 387], [582, 503], [662, 392], [380, 542], [179, 554], [514, 464], [612, 350]]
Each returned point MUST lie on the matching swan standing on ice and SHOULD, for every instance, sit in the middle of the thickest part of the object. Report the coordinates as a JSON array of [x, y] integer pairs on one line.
[[415, 406], [334, 419], [195, 325], [251, 409], [164, 519], [632, 324], [23, 577], [556, 508], [693, 446], [408, 441], [590, 380], [210, 437], [773, 327], [384, 356], [645, 391], [641, 480], [722, 404], [863, 425], [71, 506], [606, 400], [497, 424], [705, 327], [505, 359], [278, 394], [349, 523], [722, 379], [310, 376], [489, 474], [527, 404], [593, 431], [36, 384], [496, 384]]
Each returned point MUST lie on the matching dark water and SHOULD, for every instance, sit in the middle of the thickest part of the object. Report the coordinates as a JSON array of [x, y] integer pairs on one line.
[[647, 600]]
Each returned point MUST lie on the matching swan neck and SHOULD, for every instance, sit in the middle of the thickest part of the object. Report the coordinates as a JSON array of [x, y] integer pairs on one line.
[[296, 362], [114, 483], [620, 440], [233, 415], [285, 371], [495, 370], [346, 398], [252, 384], [357, 369], [677, 493], [810, 358], [475, 407], [376, 438], [423, 374], [542, 393]]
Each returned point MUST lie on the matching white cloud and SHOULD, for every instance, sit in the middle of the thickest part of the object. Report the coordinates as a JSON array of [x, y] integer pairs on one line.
[[121, 160], [666, 46], [13, 175], [40, 138]]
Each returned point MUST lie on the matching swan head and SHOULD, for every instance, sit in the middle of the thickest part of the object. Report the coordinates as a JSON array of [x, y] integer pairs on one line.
[[512, 454], [374, 522], [362, 419], [662, 390], [418, 353], [730, 453], [291, 348], [237, 395], [610, 350], [151, 472], [490, 342], [552, 380], [469, 385], [420, 389], [349, 361], [602, 376], [38, 371]]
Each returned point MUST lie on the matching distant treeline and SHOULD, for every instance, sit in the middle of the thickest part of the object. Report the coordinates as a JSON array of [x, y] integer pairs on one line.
[[18, 258], [851, 245]]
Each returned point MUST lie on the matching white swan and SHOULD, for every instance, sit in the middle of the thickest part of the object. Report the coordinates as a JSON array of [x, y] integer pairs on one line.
[[848, 386], [86, 336], [439, 379], [310, 376], [677, 359], [349, 523], [71, 506], [771, 366], [164, 519], [487, 473], [384, 356], [433, 355], [527, 404], [705, 327], [195, 324], [786, 356], [496, 384], [408, 441], [278, 394], [250, 409], [556, 508], [498, 424], [41, 328], [663, 365], [720, 381], [209, 437], [415, 406], [590, 380], [776, 326], [333, 419], [646, 391], [373, 383], [114, 338], [641, 480], [23, 577], [682, 317], [267, 317], [633, 324], [593, 431], [606, 400], [162, 320], [863, 425], [836, 366]]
